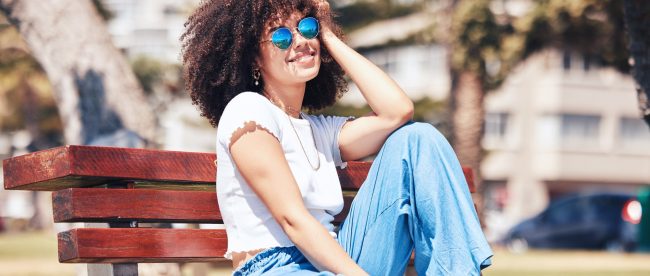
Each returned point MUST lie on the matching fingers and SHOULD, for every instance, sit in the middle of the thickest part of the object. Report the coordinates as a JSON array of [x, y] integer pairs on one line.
[[323, 7], [324, 13]]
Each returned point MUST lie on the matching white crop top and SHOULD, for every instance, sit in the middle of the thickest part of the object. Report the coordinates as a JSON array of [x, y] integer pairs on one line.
[[248, 222]]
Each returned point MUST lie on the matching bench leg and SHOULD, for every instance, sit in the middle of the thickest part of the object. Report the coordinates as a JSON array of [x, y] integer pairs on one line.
[[125, 269], [111, 269], [95, 270]]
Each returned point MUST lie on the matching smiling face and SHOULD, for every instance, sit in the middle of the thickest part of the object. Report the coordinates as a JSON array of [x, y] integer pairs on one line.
[[297, 64]]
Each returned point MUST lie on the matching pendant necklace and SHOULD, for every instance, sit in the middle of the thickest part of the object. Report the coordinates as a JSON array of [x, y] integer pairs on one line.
[[300, 114]]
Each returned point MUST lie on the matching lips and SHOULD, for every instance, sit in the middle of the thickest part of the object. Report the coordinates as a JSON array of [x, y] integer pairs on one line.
[[303, 56]]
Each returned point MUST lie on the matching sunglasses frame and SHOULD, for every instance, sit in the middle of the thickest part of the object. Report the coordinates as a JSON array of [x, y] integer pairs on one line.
[[297, 29]]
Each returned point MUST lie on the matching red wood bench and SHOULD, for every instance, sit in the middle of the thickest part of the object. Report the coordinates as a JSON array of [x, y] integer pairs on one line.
[[125, 187]]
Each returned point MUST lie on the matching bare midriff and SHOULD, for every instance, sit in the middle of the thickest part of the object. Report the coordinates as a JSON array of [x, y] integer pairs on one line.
[[239, 258]]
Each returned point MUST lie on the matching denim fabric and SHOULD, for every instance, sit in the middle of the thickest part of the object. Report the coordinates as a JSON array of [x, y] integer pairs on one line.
[[279, 261], [415, 197]]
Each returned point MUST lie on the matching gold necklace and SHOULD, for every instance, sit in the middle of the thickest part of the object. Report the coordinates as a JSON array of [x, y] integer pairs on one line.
[[298, 136], [303, 148]]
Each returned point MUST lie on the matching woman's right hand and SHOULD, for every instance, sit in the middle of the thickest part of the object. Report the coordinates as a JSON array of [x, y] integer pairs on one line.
[[391, 107], [325, 15]]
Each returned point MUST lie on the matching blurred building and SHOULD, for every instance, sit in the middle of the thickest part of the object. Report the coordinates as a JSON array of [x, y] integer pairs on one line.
[[149, 27], [153, 28], [560, 124], [420, 69], [185, 129]]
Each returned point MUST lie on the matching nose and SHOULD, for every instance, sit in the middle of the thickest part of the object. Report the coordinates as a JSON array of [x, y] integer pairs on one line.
[[298, 40]]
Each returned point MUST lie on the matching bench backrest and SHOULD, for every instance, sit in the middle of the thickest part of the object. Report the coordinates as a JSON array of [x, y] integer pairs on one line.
[[125, 187]]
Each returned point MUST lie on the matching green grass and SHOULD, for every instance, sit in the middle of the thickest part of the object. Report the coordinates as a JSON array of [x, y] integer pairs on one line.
[[547, 262], [28, 245], [31, 253]]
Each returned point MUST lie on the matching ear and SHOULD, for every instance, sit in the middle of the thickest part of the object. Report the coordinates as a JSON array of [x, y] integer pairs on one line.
[[257, 63]]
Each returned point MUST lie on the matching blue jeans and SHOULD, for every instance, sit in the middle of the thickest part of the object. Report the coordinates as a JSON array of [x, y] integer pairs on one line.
[[415, 197]]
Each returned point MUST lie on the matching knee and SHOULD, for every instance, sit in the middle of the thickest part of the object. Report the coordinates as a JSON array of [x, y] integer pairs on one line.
[[417, 136], [416, 131]]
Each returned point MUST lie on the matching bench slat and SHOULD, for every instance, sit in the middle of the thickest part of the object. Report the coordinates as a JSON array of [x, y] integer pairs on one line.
[[125, 205], [79, 166], [141, 245], [83, 166]]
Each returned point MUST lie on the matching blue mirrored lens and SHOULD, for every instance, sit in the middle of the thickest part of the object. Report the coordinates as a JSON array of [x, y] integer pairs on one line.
[[282, 38], [308, 27]]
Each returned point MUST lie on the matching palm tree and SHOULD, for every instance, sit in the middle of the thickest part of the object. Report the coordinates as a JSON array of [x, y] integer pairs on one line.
[[475, 43], [638, 24]]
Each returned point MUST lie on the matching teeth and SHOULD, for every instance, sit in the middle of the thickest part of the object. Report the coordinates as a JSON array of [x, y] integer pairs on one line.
[[303, 58]]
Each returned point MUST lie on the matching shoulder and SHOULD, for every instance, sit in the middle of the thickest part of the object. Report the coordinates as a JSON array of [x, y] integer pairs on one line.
[[244, 108], [248, 103], [248, 98]]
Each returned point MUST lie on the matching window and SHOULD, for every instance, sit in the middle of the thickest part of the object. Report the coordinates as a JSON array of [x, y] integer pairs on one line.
[[566, 212], [580, 128], [496, 125], [634, 131]]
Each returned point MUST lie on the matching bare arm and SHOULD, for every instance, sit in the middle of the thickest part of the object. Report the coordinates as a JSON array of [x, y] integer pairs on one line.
[[259, 157], [391, 107]]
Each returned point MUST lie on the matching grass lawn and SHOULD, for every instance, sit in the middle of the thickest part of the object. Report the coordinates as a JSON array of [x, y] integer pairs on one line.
[[547, 262], [35, 253]]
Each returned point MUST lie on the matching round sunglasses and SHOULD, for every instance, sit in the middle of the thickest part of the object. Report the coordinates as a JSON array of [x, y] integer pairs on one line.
[[283, 37]]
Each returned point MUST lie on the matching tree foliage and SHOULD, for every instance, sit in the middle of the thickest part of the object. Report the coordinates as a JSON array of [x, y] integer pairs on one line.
[[593, 27], [637, 17], [26, 100], [476, 42], [148, 71], [362, 13], [491, 44]]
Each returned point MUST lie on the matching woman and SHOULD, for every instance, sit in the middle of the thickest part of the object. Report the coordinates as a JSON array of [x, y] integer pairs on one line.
[[251, 67]]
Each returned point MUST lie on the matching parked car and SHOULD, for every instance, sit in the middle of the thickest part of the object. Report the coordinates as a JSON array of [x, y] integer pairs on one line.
[[596, 220]]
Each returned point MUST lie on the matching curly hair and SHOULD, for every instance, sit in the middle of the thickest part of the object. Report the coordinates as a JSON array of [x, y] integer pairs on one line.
[[222, 41]]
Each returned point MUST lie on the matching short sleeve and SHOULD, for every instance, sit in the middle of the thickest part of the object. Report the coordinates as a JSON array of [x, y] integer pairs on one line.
[[331, 127], [245, 110]]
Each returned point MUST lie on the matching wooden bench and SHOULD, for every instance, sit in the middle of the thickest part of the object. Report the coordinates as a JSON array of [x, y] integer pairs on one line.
[[126, 187]]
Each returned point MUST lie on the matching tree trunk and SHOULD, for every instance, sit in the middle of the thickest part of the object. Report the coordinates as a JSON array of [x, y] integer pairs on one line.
[[468, 116], [98, 97], [96, 92], [467, 119], [637, 19]]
